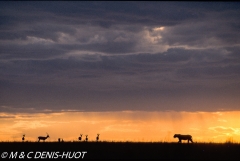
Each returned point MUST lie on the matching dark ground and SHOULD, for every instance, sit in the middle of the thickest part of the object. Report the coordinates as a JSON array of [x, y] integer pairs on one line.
[[120, 150]]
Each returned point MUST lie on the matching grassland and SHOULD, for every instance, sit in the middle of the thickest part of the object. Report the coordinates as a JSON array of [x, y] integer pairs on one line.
[[131, 150]]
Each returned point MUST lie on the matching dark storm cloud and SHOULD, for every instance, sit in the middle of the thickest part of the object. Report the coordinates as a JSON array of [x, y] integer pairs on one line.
[[97, 56], [111, 12]]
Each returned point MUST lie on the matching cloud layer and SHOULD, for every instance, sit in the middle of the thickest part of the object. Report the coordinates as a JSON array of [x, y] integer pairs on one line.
[[97, 56]]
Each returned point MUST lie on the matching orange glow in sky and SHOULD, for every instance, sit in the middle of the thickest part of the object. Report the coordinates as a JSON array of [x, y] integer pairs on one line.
[[122, 126]]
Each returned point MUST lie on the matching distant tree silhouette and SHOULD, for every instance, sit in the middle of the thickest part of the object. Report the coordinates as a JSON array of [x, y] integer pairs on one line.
[[86, 138], [183, 137]]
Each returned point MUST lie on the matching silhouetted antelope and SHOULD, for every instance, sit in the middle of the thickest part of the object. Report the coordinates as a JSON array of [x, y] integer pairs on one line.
[[23, 138], [80, 137], [97, 138], [86, 138], [43, 137]]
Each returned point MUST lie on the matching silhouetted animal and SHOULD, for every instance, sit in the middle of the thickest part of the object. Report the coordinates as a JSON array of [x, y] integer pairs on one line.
[[23, 137], [86, 138], [97, 138], [59, 140], [42, 138], [183, 137], [80, 137]]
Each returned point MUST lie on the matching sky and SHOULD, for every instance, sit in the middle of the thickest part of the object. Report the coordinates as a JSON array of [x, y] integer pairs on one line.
[[120, 69]]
